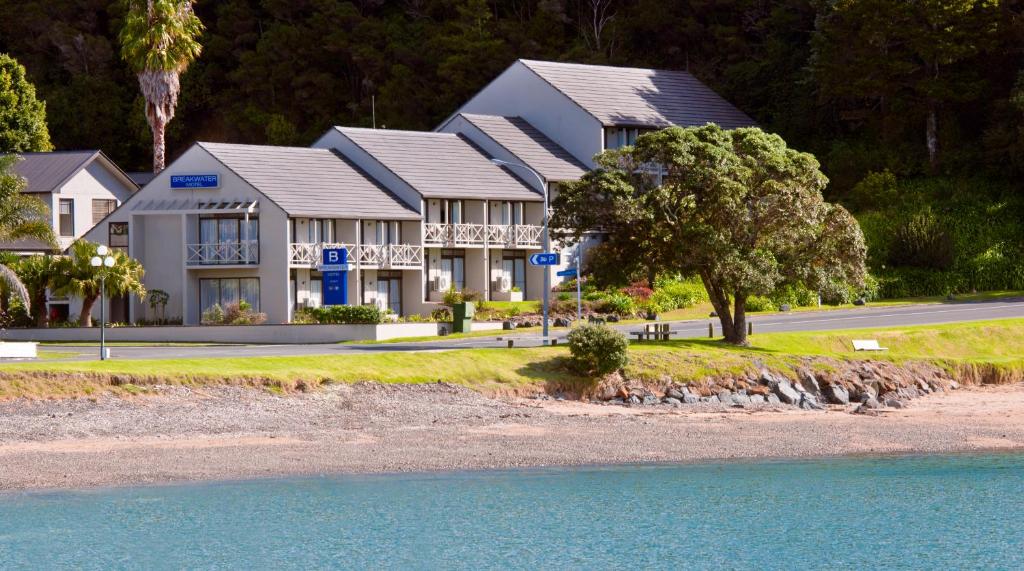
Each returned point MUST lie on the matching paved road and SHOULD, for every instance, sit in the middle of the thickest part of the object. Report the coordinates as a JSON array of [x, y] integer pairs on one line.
[[801, 321]]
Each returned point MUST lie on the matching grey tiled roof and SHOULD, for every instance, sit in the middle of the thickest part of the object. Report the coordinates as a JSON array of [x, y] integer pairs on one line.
[[311, 182], [531, 146], [45, 172], [443, 165], [640, 97]]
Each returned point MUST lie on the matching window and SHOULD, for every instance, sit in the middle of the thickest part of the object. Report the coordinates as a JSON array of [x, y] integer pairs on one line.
[[229, 240], [387, 232], [511, 213], [225, 291], [453, 268], [316, 292], [388, 291], [320, 230], [615, 137], [453, 210], [513, 267], [117, 235], [101, 207], [67, 217]]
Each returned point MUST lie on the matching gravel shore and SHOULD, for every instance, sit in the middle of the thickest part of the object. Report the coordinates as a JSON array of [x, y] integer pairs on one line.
[[234, 433]]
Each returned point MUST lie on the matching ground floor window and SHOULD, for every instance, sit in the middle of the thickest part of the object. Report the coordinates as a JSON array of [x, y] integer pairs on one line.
[[316, 292], [453, 269], [226, 291], [117, 237], [385, 291], [513, 267]]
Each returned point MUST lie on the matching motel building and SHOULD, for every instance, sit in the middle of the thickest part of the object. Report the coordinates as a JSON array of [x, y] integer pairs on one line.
[[420, 213]]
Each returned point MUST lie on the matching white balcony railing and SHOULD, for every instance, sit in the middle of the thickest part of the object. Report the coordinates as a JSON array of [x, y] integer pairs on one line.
[[245, 252], [371, 256], [311, 254], [513, 236], [454, 234]]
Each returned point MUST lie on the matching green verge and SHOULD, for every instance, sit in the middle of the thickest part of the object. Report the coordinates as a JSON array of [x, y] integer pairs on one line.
[[997, 343]]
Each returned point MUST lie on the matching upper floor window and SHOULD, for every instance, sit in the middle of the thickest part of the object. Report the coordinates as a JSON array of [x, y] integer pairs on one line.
[[386, 232], [453, 211], [511, 213], [117, 235], [615, 137], [101, 207], [66, 214]]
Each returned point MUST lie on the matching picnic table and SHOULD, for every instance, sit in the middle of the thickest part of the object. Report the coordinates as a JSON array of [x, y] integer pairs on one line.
[[655, 331]]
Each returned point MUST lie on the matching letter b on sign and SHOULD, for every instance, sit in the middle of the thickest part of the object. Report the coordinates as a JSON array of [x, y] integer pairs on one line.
[[333, 257]]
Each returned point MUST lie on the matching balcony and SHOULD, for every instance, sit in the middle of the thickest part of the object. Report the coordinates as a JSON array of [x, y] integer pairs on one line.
[[241, 253], [367, 256], [500, 236], [515, 236]]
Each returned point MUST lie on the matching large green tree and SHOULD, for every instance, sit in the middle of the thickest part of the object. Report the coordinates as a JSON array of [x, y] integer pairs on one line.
[[738, 208], [22, 216], [159, 39], [38, 273], [22, 116], [76, 276]]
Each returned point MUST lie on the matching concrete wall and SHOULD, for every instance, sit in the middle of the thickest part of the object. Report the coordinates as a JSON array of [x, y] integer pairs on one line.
[[232, 333], [520, 92]]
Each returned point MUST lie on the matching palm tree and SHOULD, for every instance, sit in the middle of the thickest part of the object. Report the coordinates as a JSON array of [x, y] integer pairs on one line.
[[22, 216], [38, 273], [159, 39], [76, 276]]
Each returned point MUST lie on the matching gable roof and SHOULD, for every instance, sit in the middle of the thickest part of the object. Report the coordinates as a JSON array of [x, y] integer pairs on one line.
[[48, 171], [443, 165], [640, 97], [531, 146], [311, 182]]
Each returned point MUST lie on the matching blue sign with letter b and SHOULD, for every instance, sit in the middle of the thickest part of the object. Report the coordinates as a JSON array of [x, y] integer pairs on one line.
[[335, 284]]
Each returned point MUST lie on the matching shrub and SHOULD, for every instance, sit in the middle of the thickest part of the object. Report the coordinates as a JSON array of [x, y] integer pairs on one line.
[[597, 349], [638, 291], [921, 241], [471, 295], [795, 296], [675, 294], [348, 314], [237, 313], [441, 314], [452, 297], [759, 303], [617, 303]]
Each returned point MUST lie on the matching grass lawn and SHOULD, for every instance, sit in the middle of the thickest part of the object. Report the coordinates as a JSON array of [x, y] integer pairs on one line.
[[997, 342]]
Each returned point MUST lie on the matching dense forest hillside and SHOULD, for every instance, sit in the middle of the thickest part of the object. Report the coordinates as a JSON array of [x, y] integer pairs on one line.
[[917, 101]]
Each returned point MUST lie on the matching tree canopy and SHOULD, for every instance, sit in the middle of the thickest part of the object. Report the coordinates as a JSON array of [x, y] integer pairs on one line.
[[76, 276], [738, 208], [22, 115]]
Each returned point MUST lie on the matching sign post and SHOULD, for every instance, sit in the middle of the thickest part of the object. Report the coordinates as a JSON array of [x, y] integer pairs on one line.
[[335, 270], [574, 273]]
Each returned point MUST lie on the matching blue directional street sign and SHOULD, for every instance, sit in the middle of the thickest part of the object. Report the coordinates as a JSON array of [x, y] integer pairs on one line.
[[335, 271], [567, 273], [545, 259]]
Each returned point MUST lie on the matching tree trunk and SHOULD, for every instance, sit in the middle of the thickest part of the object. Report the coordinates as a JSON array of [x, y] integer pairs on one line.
[[85, 319], [159, 146], [932, 136], [739, 322], [720, 301], [40, 310]]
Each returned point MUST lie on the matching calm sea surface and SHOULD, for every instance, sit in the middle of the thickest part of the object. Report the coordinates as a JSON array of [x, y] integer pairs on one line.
[[928, 512]]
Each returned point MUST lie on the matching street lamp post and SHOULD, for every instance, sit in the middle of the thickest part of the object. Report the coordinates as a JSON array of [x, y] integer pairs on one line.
[[104, 261], [547, 243]]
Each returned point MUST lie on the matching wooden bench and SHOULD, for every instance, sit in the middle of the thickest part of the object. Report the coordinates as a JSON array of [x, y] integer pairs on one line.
[[867, 345]]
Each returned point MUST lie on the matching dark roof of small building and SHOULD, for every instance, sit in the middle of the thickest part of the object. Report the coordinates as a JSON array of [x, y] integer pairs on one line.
[[627, 96], [48, 171], [442, 165], [141, 178], [531, 146], [306, 181]]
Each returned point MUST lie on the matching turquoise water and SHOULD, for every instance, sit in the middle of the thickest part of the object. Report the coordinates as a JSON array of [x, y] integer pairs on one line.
[[928, 512]]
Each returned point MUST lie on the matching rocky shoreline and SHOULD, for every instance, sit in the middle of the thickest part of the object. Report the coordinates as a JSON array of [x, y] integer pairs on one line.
[[814, 385], [178, 433]]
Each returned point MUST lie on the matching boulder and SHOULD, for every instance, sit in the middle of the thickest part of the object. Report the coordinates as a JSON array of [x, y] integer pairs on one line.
[[837, 394], [725, 396], [809, 381], [672, 401], [772, 399], [757, 399], [690, 398], [650, 399], [871, 403], [740, 399], [760, 390], [894, 403], [633, 399], [674, 392], [785, 391], [808, 402]]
